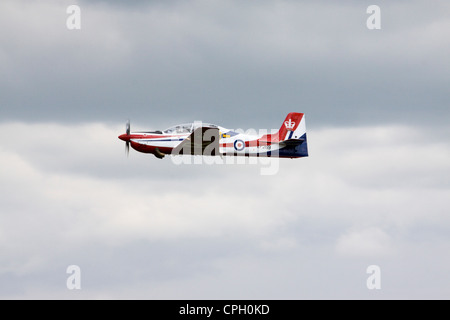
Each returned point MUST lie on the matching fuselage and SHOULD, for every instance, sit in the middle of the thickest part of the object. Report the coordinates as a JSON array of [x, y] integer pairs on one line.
[[289, 141]]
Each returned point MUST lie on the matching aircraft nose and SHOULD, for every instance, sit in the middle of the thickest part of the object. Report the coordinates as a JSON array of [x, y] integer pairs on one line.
[[124, 137]]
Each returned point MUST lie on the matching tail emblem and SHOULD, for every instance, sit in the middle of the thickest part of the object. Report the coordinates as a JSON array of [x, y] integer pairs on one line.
[[289, 125]]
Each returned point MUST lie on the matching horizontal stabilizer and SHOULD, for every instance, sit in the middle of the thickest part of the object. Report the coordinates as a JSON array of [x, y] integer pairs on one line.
[[292, 142]]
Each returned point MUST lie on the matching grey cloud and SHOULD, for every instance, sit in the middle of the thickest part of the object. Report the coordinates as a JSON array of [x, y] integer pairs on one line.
[[231, 62]]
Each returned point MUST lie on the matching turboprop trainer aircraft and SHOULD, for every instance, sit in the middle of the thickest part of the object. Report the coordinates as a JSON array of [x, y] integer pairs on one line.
[[211, 140]]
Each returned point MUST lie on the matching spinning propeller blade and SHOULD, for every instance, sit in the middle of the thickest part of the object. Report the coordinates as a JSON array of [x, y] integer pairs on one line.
[[127, 143]]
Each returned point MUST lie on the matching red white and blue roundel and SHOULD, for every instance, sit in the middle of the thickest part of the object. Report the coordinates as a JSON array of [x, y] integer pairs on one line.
[[239, 145]]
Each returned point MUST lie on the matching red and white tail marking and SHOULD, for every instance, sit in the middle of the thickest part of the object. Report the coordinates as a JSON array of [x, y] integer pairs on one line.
[[290, 126], [293, 127]]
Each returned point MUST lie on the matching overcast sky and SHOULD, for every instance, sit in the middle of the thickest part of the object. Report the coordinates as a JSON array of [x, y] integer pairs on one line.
[[375, 189]]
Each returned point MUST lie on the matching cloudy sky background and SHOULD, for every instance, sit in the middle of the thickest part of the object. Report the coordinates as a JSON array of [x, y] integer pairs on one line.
[[375, 189]]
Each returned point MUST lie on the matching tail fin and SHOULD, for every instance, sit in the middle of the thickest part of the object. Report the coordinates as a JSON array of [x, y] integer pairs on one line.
[[293, 127], [292, 135]]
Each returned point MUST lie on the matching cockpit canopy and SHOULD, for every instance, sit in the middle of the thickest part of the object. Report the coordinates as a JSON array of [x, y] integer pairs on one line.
[[187, 128]]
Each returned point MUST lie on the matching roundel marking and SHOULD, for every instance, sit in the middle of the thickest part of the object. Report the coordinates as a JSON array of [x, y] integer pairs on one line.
[[239, 145]]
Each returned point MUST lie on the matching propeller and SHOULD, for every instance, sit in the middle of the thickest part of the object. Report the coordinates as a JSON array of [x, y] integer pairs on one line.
[[127, 143], [126, 137]]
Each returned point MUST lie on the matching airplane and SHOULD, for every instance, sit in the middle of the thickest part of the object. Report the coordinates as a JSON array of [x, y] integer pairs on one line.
[[212, 140]]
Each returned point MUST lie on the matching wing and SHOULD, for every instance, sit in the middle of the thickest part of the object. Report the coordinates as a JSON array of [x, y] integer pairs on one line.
[[202, 141]]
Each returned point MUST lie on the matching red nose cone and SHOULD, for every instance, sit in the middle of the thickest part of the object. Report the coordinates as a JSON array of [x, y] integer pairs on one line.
[[124, 137]]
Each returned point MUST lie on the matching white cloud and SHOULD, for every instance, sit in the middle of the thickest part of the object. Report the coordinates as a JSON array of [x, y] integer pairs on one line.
[[345, 199], [369, 242]]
